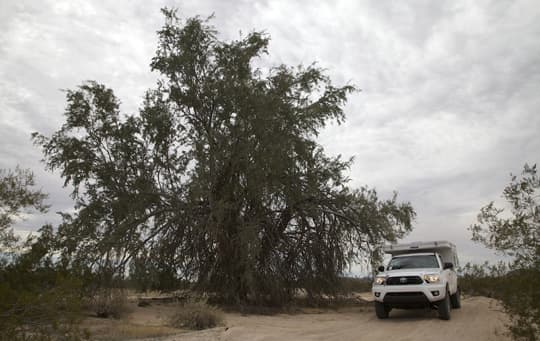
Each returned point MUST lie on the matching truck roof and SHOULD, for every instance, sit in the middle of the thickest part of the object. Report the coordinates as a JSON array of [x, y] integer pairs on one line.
[[415, 254], [431, 246], [446, 249]]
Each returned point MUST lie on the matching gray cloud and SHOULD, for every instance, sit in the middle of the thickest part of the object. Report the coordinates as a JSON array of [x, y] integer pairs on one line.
[[448, 107]]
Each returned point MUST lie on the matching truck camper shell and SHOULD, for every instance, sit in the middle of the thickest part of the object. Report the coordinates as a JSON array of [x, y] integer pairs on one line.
[[444, 248]]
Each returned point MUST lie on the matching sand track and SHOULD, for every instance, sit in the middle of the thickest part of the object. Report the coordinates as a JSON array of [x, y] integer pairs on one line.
[[479, 319]]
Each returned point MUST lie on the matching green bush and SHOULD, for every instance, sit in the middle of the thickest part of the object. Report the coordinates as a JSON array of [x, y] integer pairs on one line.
[[521, 296], [39, 310], [197, 316], [483, 280], [38, 299]]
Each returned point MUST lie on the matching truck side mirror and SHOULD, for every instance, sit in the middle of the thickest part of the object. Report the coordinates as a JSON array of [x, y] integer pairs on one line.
[[380, 268], [448, 266]]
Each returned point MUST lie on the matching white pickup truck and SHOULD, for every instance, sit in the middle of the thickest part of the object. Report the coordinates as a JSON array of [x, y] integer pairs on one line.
[[420, 274]]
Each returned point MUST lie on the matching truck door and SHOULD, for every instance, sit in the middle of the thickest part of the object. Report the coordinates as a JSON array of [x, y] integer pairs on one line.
[[451, 276]]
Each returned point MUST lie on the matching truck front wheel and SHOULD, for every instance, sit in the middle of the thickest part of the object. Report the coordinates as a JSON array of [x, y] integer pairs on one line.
[[381, 310], [444, 307], [455, 299]]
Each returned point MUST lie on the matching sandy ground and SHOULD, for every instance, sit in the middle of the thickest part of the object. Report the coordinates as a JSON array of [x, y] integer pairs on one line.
[[479, 319]]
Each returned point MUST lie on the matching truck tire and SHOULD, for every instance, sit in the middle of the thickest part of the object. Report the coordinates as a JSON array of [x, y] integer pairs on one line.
[[455, 299], [381, 310], [444, 307]]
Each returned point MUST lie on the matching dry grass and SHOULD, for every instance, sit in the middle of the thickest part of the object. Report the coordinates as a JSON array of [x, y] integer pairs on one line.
[[197, 316], [128, 331], [109, 303]]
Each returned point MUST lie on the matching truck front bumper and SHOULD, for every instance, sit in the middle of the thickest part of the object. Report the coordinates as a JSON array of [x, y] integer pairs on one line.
[[409, 296]]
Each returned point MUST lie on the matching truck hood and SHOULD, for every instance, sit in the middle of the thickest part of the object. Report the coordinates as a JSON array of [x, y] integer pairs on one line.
[[410, 272]]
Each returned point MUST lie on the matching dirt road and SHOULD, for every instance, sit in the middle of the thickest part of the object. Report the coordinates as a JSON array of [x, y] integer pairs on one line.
[[479, 319]]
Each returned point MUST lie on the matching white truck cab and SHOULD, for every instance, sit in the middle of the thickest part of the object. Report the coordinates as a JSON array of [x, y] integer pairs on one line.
[[420, 274]]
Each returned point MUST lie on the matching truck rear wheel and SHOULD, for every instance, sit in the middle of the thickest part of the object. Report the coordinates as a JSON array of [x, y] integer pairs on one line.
[[455, 299], [444, 308], [381, 310]]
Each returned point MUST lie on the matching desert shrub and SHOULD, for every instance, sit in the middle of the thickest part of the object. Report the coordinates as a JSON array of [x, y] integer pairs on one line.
[[39, 305], [39, 300], [514, 231], [520, 296], [197, 315], [109, 302], [483, 279], [517, 289]]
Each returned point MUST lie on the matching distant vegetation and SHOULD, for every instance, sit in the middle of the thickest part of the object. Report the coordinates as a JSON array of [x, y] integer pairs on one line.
[[483, 279], [354, 284]]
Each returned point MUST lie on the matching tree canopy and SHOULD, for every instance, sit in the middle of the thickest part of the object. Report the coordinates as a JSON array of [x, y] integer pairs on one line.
[[219, 179], [17, 196], [517, 233]]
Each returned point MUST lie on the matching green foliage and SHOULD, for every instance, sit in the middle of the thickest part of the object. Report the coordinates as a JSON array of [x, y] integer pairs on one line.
[[153, 273], [218, 180], [520, 298], [483, 280], [16, 197], [196, 315], [38, 301], [517, 234]]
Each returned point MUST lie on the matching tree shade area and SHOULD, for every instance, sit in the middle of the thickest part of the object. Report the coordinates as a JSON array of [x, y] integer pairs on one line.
[[218, 181]]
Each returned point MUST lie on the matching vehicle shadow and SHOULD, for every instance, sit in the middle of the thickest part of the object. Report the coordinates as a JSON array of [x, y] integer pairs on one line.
[[412, 314]]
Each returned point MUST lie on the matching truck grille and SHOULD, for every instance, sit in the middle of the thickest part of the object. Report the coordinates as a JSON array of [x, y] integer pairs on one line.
[[405, 294], [403, 280]]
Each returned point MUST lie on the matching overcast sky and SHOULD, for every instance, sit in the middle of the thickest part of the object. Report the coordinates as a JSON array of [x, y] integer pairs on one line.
[[449, 105]]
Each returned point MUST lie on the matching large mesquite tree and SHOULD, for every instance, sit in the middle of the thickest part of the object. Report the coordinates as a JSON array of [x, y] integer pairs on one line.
[[218, 179]]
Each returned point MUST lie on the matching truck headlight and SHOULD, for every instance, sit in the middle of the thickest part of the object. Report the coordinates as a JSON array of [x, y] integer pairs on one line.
[[432, 278], [379, 280]]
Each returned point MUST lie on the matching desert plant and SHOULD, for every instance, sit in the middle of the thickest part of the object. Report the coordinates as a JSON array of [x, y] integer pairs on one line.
[[483, 279], [197, 315], [39, 300], [109, 302], [17, 196], [516, 232], [49, 313], [506, 284]]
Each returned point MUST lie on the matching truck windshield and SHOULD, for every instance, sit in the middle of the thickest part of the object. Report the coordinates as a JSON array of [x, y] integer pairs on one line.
[[413, 262]]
